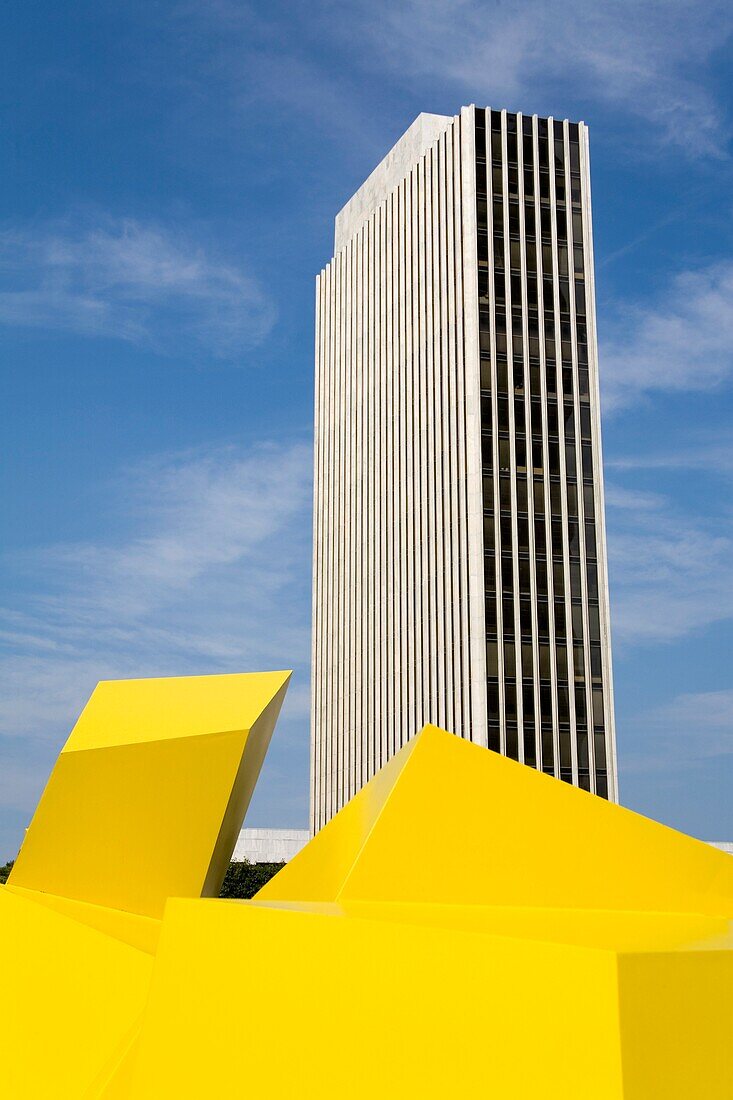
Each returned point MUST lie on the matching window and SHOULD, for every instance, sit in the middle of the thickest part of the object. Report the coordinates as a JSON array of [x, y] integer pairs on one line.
[[572, 491], [582, 751], [521, 495], [493, 700], [489, 533], [561, 657], [491, 616], [528, 701], [590, 540], [544, 662], [597, 706], [588, 503], [488, 493], [507, 574], [580, 705], [563, 705], [580, 297], [595, 624], [510, 704], [492, 659], [510, 665], [558, 577], [575, 588]]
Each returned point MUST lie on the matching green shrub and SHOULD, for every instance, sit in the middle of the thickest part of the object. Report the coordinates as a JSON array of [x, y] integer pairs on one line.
[[244, 879], [5, 870]]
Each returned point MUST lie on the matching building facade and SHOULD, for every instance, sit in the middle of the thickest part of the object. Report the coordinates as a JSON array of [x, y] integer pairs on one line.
[[459, 544]]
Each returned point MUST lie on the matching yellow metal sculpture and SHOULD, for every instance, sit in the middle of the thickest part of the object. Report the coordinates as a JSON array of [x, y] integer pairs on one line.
[[465, 927]]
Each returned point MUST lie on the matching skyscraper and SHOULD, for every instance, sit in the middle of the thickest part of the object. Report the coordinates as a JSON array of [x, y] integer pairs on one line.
[[459, 545]]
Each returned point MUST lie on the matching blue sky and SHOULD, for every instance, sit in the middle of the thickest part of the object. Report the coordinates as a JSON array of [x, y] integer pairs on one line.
[[171, 172]]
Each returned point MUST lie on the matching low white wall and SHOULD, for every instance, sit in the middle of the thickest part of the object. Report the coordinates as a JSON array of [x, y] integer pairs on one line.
[[269, 845]]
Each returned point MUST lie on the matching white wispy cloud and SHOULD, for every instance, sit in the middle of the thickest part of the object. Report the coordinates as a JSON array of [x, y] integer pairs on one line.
[[128, 280], [671, 569], [212, 577], [640, 56], [689, 730], [682, 341]]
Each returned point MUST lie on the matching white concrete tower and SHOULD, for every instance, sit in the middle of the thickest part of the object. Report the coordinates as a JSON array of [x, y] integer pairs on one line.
[[459, 563]]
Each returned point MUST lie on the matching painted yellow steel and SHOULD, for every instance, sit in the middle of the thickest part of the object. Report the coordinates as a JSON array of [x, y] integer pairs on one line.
[[465, 927], [148, 795], [145, 801]]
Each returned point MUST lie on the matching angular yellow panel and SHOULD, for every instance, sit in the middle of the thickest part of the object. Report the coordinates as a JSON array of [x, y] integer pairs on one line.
[[463, 825], [70, 996], [140, 932], [338, 1006], [149, 793]]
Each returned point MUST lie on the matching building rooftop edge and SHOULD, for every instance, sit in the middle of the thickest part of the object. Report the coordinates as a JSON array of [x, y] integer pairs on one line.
[[393, 168]]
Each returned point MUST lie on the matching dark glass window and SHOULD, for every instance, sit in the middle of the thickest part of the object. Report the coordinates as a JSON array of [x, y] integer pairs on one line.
[[510, 664], [597, 695], [493, 694], [541, 578], [492, 659], [525, 616], [580, 706]]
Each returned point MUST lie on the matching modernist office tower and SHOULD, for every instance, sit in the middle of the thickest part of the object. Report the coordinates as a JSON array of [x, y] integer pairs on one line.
[[460, 552]]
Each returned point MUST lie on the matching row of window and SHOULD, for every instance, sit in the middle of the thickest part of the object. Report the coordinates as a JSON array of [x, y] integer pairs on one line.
[[528, 180], [524, 572], [515, 377], [526, 625], [540, 498], [535, 455], [546, 708], [551, 144], [553, 413], [561, 658], [530, 219], [556, 528], [532, 254]]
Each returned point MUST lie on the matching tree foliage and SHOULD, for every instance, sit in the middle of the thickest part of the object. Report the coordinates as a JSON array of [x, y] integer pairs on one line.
[[244, 879]]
